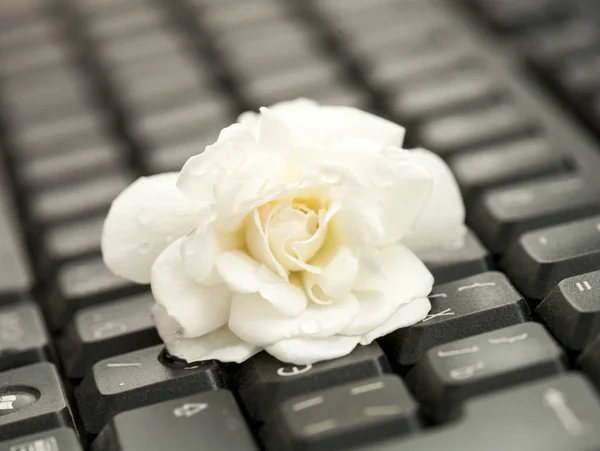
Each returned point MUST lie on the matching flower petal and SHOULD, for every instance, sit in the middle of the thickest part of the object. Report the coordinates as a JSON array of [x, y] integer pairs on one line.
[[406, 279], [407, 315], [245, 275], [306, 120], [142, 221], [306, 351], [256, 321], [340, 268], [200, 248], [221, 344], [196, 308], [441, 222]]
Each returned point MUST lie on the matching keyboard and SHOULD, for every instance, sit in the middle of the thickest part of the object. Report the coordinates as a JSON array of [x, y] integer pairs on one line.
[[95, 93]]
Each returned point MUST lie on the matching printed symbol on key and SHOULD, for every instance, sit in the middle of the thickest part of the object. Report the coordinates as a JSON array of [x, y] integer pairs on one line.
[[44, 444], [543, 240], [466, 372], [7, 401], [585, 286], [293, 371], [456, 352], [108, 329], [476, 285], [447, 312], [439, 295], [508, 340], [189, 410], [557, 401]]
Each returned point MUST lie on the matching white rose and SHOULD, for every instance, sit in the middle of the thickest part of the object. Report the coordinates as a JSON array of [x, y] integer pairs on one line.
[[295, 233]]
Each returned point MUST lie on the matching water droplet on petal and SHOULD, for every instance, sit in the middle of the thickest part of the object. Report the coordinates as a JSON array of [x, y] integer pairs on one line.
[[310, 327], [145, 217], [169, 238], [144, 248]]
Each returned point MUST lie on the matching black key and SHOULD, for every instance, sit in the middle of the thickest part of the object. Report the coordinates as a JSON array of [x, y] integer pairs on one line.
[[551, 44], [83, 283], [165, 126], [500, 216], [539, 260], [16, 275], [172, 157], [555, 414], [211, 421], [262, 382], [452, 263], [589, 360], [107, 330], [62, 439], [459, 309], [86, 196], [32, 399], [450, 374], [23, 336], [505, 163], [72, 239], [448, 90], [465, 131], [571, 310], [65, 166], [344, 416], [510, 15], [138, 379]]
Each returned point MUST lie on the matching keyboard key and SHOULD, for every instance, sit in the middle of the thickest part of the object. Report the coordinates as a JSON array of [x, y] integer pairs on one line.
[[62, 439], [32, 399], [262, 381], [344, 416], [500, 216], [83, 283], [23, 336], [571, 311], [506, 163], [447, 90], [172, 157], [56, 130], [210, 420], [452, 263], [554, 414], [17, 275], [459, 309], [78, 198], [75, 238], [539, 260], [510, 15], [61, 167], [137, 379], [466, 131], [107, 330], [589, 360], [450, 374], [49, 53]]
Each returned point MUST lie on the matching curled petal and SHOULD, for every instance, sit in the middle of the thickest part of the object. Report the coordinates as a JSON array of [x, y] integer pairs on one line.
[[306, 120], [198, 309], [406, 279], [221, 344], [441, 223], [406, 315], [256, 321], [200, 248], [306, 351], [258, 245], [340, 268], [142, 221], [244, 275]]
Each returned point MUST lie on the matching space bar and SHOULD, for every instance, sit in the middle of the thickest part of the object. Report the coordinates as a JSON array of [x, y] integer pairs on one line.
[[15, 271]]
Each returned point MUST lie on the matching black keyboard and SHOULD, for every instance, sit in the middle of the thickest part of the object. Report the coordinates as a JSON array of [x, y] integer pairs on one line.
[[95, 93]]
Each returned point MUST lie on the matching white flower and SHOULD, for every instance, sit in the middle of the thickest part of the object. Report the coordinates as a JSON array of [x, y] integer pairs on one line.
[[295, 232]]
